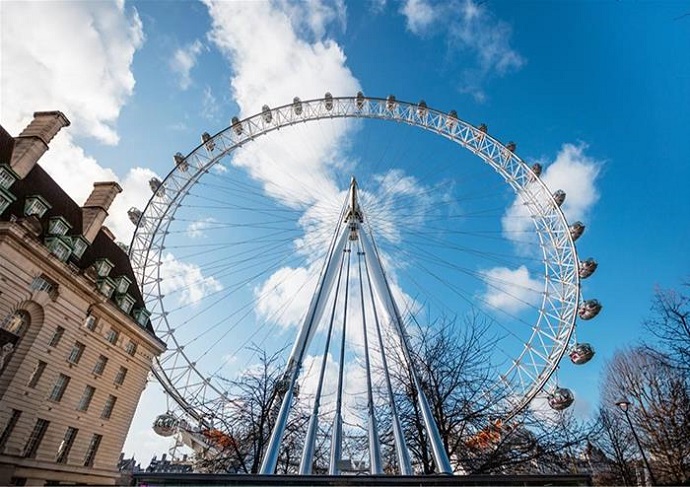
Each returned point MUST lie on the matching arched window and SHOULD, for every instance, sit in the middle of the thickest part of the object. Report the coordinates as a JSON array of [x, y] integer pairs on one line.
[[17, 323]]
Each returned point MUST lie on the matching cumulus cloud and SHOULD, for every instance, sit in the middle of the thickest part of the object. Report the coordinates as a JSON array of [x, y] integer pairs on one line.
[[511, 290], [419, 15], [196, 229], [470, 27], [183, 60], [186, 281], [574, 172], [76, 57]]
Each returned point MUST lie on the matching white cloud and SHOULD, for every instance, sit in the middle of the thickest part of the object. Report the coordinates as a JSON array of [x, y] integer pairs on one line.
[[471, 27], [419, 15], [183, 60], [572, 171], [186, 281], [196, 228], [511, 290], [285, 296], [76, 57]]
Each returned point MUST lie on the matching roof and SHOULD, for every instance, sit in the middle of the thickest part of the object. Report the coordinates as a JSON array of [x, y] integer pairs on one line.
[[38, 182]]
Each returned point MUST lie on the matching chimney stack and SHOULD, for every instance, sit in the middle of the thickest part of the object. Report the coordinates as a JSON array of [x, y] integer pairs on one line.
[[95, 210], [33, 142]]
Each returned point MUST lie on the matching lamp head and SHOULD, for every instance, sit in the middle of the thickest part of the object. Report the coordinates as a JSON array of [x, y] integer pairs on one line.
[[623, 404]]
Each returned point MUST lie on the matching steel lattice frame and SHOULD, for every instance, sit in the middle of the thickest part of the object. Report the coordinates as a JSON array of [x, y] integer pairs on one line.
[[551, 333]]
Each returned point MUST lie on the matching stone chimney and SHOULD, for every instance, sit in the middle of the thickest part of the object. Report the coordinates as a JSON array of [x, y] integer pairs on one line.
[[96, 207], [33, 142]]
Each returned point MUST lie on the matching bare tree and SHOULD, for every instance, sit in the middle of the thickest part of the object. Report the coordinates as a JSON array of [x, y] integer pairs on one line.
[[612, 437], [660, 410], [670, 325]]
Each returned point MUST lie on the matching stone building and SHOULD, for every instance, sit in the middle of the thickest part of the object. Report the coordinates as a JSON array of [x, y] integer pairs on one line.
[[75, 338]]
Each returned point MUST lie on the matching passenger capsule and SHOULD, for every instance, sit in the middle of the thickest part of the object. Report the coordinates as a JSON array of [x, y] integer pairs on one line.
[[561, 399], [266, 114], [297, 105], [483, 128], [180, 162], [208, 141], [328, 101], [581, 353], [422, 109], [156, 187], [135, 216], [165, 425], [559, 197], [359, 100], [587, 268], [391, 103], [576, 230], [452, 119], [236, 125], [589, 309], [511, 146], [536, 169]]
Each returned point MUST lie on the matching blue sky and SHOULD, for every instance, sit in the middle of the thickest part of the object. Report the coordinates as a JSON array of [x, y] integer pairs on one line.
[[141, 80]]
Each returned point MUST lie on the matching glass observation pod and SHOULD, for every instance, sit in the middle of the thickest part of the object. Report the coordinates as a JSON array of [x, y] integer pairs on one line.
[[452, 119], [587, 268], [328, 101], [297, 105], [208, 141], [511, 146], [422, 109], [360, 100], [581, 353], [561, 399], [391, 103], [589, 309], [536, 169], [576, 230], [559, 197], [156, 187], [180, 162], [236, 125], [165, 425], [135, 216], [266, 114]]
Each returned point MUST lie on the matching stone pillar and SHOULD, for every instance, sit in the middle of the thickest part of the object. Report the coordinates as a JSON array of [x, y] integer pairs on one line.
[[95, 210], [33, 142]]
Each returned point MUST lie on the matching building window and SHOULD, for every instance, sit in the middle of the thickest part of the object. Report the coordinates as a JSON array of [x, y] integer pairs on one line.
[[16, 323], [120, 377], [58, 226], [79, 246], [35, 439], [108, 408], [90, 322], [7, 179], [122, 283], [41, 283], [106, 286], [100, 365], [131, 348], [36, 374], [66, 445], [125, 302], [142, 316], [92, 450], [57, 336], [59, 247], [112, 336], [76, 353], [35, 205], [9, 428], [86, 397], [103, 267], [6, 199], [59, 388]]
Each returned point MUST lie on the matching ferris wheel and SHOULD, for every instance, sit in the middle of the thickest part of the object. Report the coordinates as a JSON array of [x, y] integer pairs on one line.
[[242, 245]]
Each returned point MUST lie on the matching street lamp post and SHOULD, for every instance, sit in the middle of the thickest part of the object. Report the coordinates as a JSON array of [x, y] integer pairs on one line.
[[624, 405]]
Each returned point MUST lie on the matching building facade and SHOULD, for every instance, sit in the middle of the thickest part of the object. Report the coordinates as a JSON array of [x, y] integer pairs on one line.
[[76, 343]]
